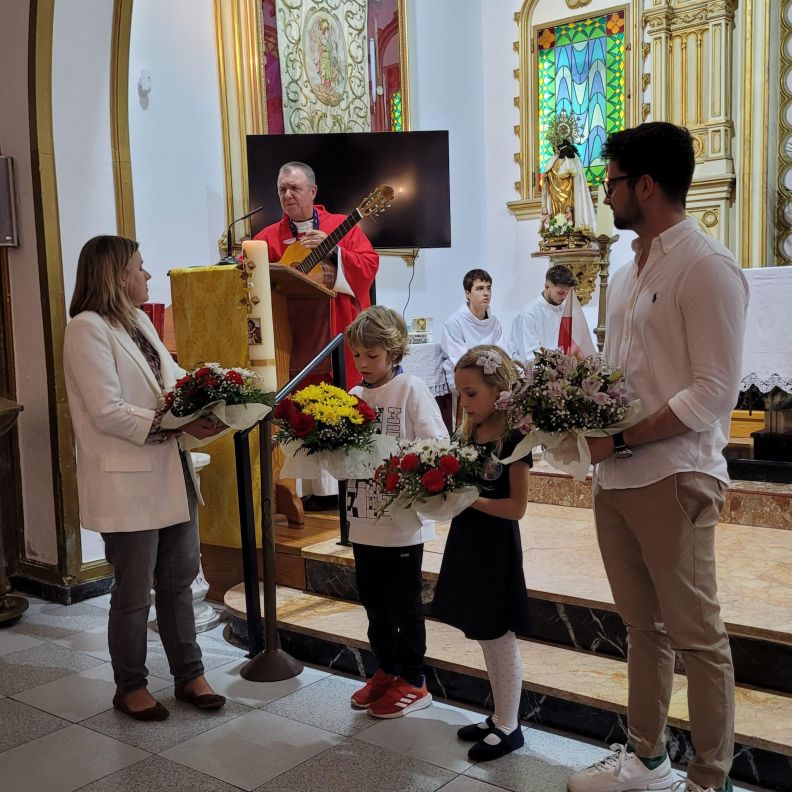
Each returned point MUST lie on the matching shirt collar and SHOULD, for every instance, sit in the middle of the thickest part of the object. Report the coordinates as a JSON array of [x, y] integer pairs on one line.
[[472, 318], [398, 370], [548, 306], [671, 237]]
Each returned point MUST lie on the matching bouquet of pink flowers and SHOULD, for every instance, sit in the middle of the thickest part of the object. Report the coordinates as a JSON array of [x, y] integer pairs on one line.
[[560, 400], [433, 479], [233, 397]]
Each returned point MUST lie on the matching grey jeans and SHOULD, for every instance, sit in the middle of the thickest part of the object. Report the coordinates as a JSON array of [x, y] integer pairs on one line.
[[166, 560]]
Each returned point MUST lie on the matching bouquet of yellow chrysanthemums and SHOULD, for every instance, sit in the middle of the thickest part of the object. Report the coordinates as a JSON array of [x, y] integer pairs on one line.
[[324, 428]]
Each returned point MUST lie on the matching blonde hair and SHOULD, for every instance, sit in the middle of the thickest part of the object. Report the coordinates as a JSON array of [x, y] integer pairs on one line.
[[103, 260], [380, 326], [502, 378]]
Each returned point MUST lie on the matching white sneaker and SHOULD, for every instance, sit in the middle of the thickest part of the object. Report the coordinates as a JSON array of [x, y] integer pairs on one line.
[[622, 772]]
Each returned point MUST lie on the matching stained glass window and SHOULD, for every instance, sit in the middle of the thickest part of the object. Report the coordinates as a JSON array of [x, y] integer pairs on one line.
[[396, 112], [581, 70]]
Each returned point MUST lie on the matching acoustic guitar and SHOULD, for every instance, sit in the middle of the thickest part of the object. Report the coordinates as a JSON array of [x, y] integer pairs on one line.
[[308, 261]]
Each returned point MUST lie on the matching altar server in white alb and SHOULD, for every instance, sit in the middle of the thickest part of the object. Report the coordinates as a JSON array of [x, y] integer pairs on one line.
[[472, 325], [538, 324]]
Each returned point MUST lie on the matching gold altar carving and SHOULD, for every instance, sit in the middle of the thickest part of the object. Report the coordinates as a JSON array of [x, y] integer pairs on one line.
[[324, 72], [243, 101], [681, 37]]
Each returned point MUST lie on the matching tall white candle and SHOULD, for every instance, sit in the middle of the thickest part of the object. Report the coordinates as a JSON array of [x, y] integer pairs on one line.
[[262, 351], [604, 214]]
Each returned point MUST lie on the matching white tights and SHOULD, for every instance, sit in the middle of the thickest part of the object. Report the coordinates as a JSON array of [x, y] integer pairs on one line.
[[504, 669]]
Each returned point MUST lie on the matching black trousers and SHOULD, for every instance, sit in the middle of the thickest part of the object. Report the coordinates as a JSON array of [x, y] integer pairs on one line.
[[389, 585]]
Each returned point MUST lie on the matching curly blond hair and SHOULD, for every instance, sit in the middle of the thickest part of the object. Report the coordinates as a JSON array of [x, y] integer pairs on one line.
[[379, 326]]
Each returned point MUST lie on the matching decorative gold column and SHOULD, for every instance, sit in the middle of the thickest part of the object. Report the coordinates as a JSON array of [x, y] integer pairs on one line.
[[243, 101], [783, 186], [683, 36], [119, 118]]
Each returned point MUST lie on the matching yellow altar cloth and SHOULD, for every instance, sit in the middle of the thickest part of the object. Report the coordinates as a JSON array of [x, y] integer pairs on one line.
[[211, 326]]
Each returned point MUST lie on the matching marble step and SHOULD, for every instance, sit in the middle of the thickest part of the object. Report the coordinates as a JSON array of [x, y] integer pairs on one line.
[[563, 688], [756, 503], [571, 599]]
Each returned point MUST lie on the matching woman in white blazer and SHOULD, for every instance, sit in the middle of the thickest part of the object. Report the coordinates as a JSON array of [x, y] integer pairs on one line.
[[135, 485]]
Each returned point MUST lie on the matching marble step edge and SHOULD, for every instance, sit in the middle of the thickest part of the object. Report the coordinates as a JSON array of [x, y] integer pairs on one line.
[[754, 503], [332, 553], [762, 718]]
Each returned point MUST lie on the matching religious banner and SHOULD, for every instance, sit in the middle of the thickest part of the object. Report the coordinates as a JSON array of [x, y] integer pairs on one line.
[[323, 60]]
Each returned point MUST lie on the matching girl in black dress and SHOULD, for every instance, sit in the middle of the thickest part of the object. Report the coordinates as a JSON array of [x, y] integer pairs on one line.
[[481, 587]]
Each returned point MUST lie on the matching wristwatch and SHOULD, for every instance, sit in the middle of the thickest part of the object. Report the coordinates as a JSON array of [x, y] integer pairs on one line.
[[620, 449]]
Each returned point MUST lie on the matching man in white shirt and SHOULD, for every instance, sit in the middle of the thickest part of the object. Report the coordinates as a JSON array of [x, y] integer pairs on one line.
[[675, 323], [472, 324], [538, 324]]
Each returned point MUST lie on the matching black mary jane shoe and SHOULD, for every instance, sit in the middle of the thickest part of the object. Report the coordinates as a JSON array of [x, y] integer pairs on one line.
[[473, 732], [155, 713], [484, 752], [203, 701]]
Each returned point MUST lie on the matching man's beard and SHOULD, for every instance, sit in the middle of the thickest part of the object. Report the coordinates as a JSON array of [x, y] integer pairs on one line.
[[628, 220]]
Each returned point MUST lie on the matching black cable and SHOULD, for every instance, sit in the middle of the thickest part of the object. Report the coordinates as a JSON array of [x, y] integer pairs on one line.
[[409, 284]]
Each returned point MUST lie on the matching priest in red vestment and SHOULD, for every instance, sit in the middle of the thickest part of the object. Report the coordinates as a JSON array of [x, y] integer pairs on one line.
[[349, 270]]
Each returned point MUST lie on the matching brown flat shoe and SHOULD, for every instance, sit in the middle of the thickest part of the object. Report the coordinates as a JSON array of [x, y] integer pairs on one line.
[[155, 713], [202, 701]]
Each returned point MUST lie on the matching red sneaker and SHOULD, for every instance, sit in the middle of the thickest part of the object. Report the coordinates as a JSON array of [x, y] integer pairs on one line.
[[400, 698], [374, 688]]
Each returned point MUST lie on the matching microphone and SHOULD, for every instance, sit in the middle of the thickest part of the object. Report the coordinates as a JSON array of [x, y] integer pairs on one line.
[[229, 259]]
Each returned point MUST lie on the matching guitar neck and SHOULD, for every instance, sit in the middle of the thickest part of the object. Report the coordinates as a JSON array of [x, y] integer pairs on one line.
[[332, 239]]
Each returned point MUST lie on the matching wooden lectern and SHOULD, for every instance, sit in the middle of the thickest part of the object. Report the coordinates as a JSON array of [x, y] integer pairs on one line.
[[295, 295], [211, 324]]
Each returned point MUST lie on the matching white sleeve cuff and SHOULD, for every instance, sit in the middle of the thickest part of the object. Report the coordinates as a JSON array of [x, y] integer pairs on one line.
[[341, 285], [695, 416]]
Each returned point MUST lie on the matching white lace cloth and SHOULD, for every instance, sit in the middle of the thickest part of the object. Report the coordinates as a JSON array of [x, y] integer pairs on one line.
[[426, 362], [767, 350]]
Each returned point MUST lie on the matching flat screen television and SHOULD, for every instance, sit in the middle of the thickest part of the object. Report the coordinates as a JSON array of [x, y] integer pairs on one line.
[[349, 166]]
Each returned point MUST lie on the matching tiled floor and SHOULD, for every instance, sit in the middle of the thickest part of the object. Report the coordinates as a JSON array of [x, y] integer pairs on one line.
[[57, 733]]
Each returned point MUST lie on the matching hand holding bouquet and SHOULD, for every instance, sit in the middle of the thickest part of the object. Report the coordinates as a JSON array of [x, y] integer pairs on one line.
[[561, 400], [232, 397], [434, 479], [323, 427]]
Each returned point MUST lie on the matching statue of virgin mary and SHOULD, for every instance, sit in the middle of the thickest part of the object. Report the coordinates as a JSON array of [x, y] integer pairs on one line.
[[564, 187]]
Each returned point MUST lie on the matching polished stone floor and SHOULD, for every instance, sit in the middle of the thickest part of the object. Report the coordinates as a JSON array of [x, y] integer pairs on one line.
[[57, 733]]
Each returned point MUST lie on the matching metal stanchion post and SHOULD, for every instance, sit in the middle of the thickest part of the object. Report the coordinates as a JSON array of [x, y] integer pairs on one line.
[[273, 664]]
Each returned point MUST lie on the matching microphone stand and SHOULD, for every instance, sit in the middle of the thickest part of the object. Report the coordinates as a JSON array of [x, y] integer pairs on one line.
[[229, 259]]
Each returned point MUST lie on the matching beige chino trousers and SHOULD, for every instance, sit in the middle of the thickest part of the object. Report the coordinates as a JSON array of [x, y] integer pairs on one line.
[[657, 544]]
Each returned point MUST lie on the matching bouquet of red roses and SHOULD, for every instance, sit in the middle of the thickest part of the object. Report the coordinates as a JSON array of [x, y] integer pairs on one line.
[[433, 479], [323, 427], [234, 397]]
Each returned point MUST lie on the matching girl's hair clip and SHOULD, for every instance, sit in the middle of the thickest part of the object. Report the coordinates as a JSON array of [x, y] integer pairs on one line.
[[489, 360]]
